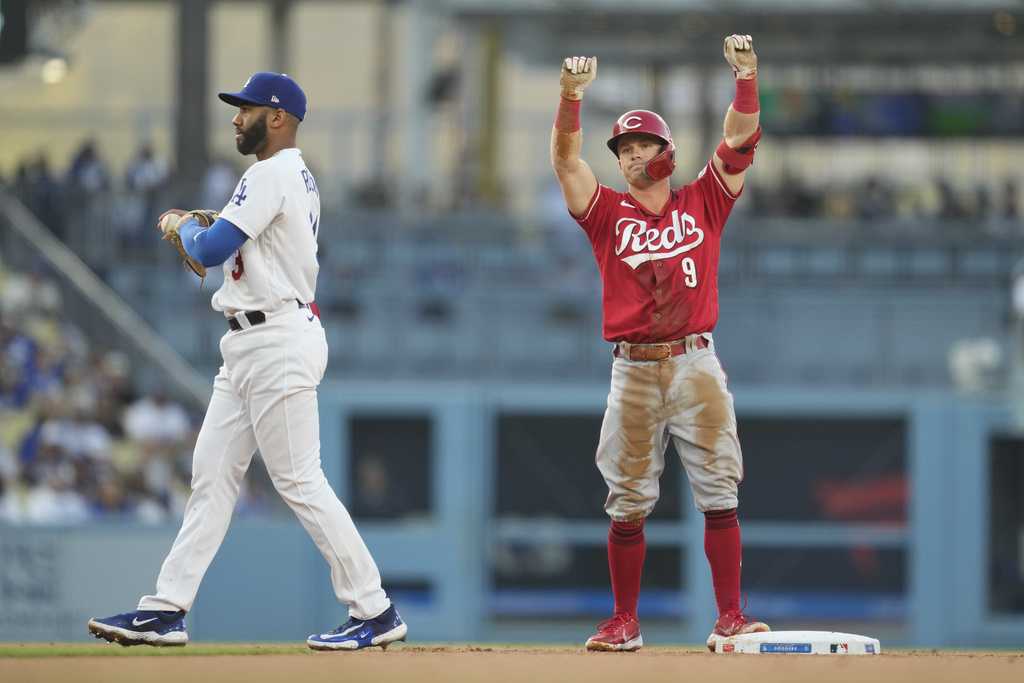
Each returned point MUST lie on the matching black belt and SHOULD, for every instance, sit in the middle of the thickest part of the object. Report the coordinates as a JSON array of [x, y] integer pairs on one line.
[[255, 318]]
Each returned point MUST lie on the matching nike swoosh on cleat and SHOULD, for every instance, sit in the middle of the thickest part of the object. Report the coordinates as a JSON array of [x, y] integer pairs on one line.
[[333, 636], [136, 622]]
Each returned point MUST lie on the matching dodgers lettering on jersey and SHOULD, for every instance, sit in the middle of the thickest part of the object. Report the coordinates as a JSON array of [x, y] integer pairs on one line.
[[277, 204], [659, 271]]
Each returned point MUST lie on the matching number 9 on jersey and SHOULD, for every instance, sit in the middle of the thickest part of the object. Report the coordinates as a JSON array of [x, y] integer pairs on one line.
[[689, 272]]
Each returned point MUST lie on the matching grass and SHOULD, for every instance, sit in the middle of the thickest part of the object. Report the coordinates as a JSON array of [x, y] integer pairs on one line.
[[100, 649]]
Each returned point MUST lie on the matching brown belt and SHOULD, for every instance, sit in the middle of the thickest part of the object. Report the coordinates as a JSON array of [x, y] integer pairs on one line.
[[660, 351]]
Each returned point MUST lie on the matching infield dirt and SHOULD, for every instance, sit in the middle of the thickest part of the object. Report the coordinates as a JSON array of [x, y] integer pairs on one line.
[[485, 664]]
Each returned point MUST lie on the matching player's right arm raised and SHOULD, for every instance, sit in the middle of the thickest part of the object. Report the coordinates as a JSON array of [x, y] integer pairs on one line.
[[574, 175]]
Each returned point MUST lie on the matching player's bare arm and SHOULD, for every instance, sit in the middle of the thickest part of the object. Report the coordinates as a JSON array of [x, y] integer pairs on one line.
[[574, 175], [741, 129]]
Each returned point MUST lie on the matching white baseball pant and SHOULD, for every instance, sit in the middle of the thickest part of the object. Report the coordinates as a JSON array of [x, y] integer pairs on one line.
[[684, 397], [265, 397]]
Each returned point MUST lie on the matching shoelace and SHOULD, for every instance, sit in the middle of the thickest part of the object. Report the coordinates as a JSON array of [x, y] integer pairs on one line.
[[614, 620], [739, 617], [348, 624], [730, 622]]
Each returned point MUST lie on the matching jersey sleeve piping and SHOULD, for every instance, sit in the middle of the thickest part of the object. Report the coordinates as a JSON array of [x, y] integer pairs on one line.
[[721, 182], [590, 205]]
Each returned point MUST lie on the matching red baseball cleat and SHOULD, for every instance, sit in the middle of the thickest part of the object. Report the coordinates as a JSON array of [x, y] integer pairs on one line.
[[734, 623], [620, 633]]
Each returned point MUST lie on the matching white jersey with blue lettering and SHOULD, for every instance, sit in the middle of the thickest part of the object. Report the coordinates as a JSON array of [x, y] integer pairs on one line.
[[277, 204]]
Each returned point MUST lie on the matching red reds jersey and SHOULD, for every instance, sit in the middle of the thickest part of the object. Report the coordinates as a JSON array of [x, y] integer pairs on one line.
[[659, 271]]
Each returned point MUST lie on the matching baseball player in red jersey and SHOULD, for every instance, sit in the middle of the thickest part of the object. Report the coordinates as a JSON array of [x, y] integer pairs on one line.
[[657, 250]]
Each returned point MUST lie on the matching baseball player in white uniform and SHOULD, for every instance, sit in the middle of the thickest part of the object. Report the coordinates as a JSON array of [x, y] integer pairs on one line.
[[264, 396]]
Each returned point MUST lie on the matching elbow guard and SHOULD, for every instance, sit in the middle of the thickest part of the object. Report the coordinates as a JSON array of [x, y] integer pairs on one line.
[[738, 160]]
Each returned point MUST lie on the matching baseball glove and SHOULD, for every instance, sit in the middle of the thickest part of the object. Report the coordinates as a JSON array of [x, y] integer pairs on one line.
[[168, 225]]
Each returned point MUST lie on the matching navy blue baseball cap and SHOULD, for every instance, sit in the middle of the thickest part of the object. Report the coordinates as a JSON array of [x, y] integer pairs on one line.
[[268, 89]]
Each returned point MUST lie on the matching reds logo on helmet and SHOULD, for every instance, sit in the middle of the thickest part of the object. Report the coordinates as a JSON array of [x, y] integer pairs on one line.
[[644, 121]]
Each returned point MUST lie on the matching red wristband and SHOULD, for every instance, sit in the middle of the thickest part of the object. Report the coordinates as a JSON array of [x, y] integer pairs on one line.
[[567, 120], [746, 101]]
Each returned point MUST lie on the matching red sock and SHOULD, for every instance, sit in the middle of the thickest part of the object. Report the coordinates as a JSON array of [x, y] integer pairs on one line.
[[724, 549], [626, 550]]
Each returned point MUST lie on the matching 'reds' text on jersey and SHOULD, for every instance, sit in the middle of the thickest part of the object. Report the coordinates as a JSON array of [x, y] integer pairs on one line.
[[659, 271]]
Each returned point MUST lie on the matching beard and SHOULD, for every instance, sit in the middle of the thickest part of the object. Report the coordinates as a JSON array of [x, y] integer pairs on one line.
[[254, 137]]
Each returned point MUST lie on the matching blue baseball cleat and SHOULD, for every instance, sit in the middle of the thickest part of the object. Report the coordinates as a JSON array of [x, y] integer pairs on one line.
[[142, 627], [356, 634]]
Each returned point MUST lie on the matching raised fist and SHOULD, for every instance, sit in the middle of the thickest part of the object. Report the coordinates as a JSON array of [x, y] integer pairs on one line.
[[739, 52], [577, 73]]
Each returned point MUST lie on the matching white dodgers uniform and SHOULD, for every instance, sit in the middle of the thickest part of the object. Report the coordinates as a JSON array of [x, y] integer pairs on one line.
[[264, 396]]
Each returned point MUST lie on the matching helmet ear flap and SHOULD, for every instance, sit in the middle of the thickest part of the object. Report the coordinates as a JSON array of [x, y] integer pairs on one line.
[[663, 164]]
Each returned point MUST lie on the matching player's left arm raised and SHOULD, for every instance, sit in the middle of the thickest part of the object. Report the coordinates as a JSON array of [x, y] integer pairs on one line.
[[741, 130]]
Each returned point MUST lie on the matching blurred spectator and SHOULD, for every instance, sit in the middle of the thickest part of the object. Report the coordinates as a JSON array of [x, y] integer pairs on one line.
[[982, 202], [145, 173], [114, 389], [36, 187], [156, 418], [789, 197], [91, 222], [88, 173], [144, 179], [950, 207], [20, 294], [164, 474], [161, 430], [54, 498], [77, 436], [875, 200], [796, 198], [1011, 200], [110, 499]]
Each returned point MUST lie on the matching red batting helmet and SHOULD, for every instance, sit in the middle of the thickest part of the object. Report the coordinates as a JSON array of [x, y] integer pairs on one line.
[[643, 121]]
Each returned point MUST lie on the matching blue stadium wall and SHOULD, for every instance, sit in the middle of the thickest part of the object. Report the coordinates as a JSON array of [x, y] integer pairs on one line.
[[269, 583]]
